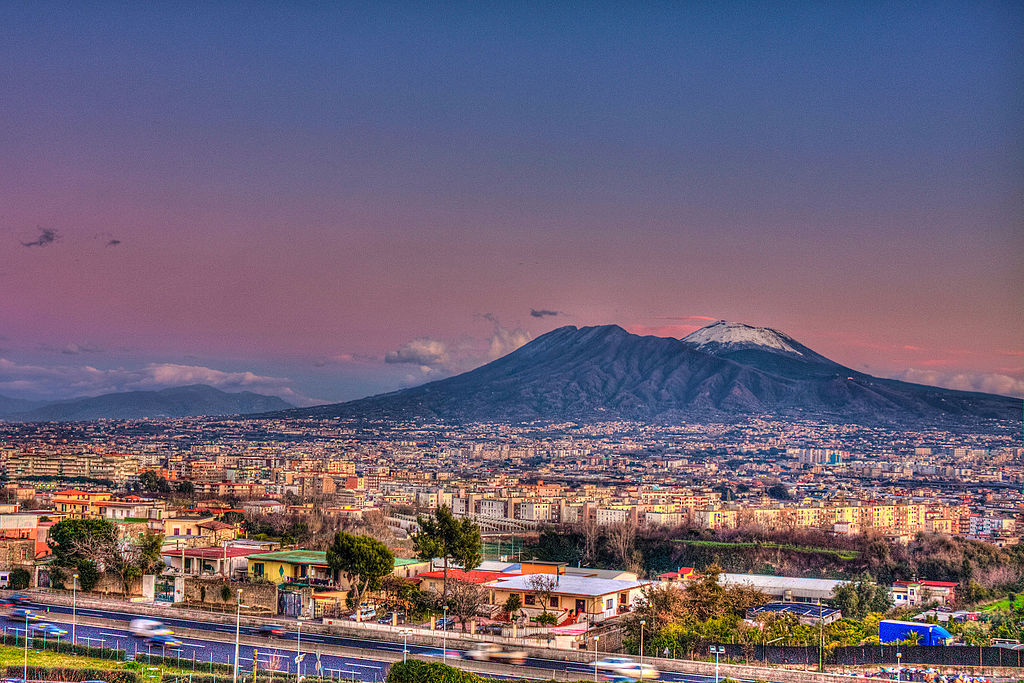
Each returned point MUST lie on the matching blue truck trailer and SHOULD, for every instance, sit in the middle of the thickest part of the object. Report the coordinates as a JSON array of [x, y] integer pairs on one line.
[[891, 632]]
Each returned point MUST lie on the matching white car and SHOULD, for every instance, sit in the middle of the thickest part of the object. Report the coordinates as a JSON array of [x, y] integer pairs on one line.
[[636, 671], [146, 628], [613, 663]]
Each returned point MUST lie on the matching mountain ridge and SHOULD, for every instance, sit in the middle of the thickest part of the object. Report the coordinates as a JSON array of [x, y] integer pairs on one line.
[[192, 400], [605, 372]]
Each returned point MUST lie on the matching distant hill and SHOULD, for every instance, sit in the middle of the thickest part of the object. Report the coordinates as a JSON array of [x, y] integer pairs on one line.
[[188, 401], [604, 372]]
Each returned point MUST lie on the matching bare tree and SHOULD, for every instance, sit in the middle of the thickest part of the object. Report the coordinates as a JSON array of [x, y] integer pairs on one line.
[[543, 585], [465, 600], [591, 532], [622, 537]]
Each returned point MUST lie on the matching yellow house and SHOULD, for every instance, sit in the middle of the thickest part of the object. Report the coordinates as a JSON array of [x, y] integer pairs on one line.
[[77, 504], [291, 566]]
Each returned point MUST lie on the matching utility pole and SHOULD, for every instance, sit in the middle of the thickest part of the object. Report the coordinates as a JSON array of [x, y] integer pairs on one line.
[[238, 628], [643, 623]]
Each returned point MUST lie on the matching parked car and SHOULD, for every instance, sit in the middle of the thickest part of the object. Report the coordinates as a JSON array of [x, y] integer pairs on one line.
[[387, 618], [363, 614], [163, 640], [271, 630], [444, 623], [144, 628], [491, 629], [492, 652], [49, 630]]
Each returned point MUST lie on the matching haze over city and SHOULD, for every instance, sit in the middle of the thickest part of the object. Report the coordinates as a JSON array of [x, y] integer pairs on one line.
[[323, 203]]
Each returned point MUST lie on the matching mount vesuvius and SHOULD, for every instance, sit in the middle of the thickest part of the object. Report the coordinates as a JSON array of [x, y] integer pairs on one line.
[[604, 372]]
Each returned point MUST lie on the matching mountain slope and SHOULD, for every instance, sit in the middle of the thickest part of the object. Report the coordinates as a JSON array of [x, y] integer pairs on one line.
[[606, 373], [193, 400]]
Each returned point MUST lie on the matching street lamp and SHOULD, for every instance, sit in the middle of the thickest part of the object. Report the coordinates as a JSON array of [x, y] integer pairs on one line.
[[716, 650], [25, 674], [596, 638], [898, 655], [298, 650], [74, 587], [444, 638], [643, 623], [238, 628], [405, 643]]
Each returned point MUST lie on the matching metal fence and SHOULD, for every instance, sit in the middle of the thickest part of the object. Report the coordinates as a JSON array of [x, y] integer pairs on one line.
[[933, 655]]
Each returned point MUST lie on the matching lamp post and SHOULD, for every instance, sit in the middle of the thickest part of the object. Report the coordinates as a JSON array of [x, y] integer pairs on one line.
[[643, 622], [238, 628], [74, 588], [298, 650], [444, 637], [25, 674], [898, 668], [716, 650], [596, 638], [405, 644]]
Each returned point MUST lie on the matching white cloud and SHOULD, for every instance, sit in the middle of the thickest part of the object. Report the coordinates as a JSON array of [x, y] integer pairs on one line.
[[67, 381], [425, 352], [990, 383]]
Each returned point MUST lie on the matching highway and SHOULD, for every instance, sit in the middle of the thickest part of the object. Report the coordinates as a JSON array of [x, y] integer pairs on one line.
[[278, 653]]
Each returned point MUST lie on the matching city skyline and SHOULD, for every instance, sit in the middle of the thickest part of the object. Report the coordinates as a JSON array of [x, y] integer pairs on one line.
[[324, 204]]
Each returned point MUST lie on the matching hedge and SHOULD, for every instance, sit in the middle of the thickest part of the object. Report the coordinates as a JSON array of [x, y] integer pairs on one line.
[[59, 673], [418, 671]]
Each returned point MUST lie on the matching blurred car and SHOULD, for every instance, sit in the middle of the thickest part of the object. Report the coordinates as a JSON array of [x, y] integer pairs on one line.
[[448, 654], [163, 640], [613, 663], [24, 614], [271, 630], [49, 629], [492, 652], [635, 671], [144, 628], [19, 599]]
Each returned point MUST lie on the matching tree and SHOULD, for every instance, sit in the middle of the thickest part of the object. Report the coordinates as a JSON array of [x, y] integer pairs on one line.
[[543, 585], [364, 559], [856, 599], [513, 604], [186, 487], [465, 600], [72, 540], [19, 579], [448, 538]]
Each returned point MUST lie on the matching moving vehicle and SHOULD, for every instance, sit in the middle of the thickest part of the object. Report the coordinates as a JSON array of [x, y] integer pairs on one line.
[[635, 671], [48, 630], [891, 631], [271, 630], [24, 614], [612, 663], [163, 640], [19, 599], [144, 628], [492, 652]]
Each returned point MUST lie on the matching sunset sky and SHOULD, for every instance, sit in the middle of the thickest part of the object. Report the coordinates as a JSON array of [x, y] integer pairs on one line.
[[328, 202]]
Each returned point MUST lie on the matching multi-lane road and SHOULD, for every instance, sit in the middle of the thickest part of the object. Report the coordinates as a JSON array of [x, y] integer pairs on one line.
[[278, 653]]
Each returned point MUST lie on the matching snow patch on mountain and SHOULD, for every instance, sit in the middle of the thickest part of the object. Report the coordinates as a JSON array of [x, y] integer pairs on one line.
[[740, 336]]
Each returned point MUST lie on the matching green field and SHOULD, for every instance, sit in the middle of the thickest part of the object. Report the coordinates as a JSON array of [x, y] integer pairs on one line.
[[725, 545]]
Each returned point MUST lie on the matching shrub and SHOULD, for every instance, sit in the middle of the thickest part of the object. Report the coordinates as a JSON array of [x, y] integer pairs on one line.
[[55, 673], [418, 671], [19, 579], [547, 619]]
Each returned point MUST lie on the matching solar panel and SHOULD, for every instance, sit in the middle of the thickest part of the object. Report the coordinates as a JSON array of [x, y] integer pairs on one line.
[[800, 609]]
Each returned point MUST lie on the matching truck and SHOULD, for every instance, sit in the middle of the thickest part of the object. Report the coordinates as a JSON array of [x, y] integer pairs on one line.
[[891, 632]]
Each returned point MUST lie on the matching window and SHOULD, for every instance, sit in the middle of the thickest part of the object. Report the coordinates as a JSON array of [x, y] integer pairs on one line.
[[554, 601], [609, 603], [529, 599], [257, 569]]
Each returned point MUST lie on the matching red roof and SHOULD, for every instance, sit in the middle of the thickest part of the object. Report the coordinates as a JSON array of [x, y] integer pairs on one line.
[[936, 584], [213, 553], [475, 576]]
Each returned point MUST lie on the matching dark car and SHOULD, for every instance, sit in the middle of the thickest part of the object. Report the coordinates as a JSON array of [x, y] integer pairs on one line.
[[19, 599], [271, 630], [164, 640], [23, 614]]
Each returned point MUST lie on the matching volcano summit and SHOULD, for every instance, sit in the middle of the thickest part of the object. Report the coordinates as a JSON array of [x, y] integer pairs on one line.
[[605, 373]]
